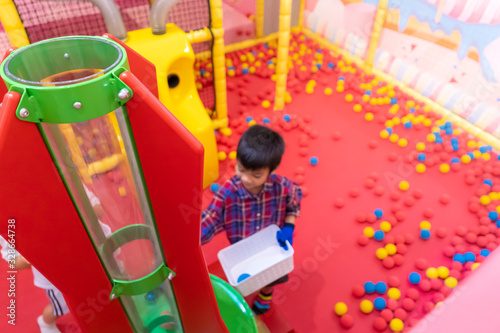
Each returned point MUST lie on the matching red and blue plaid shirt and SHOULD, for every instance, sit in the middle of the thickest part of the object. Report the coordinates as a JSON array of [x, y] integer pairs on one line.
[[241, 213]]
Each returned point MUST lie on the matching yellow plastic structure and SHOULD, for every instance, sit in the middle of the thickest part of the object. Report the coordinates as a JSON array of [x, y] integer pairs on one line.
[[283, 46], [377, 30], [12, 24], [259, 18], [173, 57]]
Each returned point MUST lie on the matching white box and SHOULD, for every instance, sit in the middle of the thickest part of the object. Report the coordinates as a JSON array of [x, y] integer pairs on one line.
[[260, 256]]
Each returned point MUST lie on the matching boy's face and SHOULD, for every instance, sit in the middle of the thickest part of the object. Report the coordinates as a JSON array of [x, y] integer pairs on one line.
[[252, 180]]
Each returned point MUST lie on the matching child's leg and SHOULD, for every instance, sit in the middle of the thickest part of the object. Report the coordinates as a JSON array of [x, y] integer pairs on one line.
[[263, 300], [47, 321]]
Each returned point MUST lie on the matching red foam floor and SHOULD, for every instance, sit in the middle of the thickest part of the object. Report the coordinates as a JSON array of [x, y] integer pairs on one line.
[[328, 259]]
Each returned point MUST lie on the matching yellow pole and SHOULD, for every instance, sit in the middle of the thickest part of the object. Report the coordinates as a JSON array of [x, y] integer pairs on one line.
[[198, 36], [219, 63], [378, 24], [12, 24], [259, 19], [301, 13], [283, 45]]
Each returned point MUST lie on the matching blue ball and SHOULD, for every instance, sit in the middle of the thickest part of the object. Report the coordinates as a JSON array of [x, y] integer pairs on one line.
[[412, 110], [448, 131], [488, 182], [202, 71], [439, 140], [318, 66], [414, 278], [331, 65], [485, 252], [447, 124], [455, 160], [214, 187], [313, 160], [455, 148], [389, 130], [287, 117], [394, 101], [471, 155], [425, 234], [244, 71], [408, 124], [231, 67], [493, 216], [368, 92], [379, 303], [249, 119], [469, 256], [380, 287], [421, 157], [266, 121], [498, 223], [454, 141], [379, 235], [459, 257], [378, 213], [483, 149], [369, 287], [341, 78]]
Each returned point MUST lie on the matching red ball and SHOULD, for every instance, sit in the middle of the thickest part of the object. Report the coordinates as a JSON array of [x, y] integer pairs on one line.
[[413, 294], [394, 281], [445, 290], [393, 156], [400, 216], [402, 248], [388, 262], [398, 259], [439, 297], [481, 241], [428, 213], [425, 285], [354, 192], [418, 193], [408, 304], [409, 239], [456, 240], [346, 321], [371, 218], [449, 251], [436, 283], [363, 240], [392, 304], [401, 314], [400, 239], [428, 307], [369, 183], [379, 191], [441, 232], [409, 201], [471, 238], [380, 324], [389, 239], [358, 291], [461, 231], [421, 264], [361, 217], [387, 314]]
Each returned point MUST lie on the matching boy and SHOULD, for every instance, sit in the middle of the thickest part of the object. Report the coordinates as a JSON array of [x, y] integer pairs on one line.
[[255, 198]]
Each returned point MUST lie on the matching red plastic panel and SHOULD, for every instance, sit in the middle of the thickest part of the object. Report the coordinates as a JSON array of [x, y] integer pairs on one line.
[[141, 67], [48, 231], [172, 161]]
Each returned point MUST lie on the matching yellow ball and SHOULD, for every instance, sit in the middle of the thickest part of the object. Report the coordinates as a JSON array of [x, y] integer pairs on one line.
[[288, 97], [226, 131], [340, 89], [420, 146], [368, 232], [312, 83], [431, 273], [396, 325], [431, 137], [266, 104], [366, 98], [357, 108], [394, 293], [425, 225], [396, 120], [340, 309], [443, 272], [485, 200], [475, 265], [251, 123], [222, 156], [494, 196], [391, 249], [309, 89], [444, 168], [393, 137], [385, 226], [384, 134], [232, 155], [366, 306], [427, 122], [466, 159], [404, 185], [389, 123], [498, 209], [402, 142], [369, 116], [451, 282], [420, 168], [328, 91], [349, 98], [381, 253], [486, 156]]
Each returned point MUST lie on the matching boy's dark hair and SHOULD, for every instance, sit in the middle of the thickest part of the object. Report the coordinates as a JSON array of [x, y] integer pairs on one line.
[[260, 147]]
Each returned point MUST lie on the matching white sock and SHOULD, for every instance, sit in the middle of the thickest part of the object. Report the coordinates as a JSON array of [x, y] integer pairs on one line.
[[47, 328]]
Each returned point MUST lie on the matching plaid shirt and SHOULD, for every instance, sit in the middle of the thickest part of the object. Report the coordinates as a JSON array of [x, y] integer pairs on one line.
[[241, 214]]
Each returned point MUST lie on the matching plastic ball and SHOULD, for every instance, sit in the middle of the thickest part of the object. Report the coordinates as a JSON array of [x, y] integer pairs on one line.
[[425, 225], [252, 122], [369, 116], [469, 256], [366, 306], [384, 134], [402, 142], [396, 325], [369, 287], [385, 226], [381, 253], [391, 249], [379, 303], [358, 291], [394, 293], [393, 137], [414, 278], [459, 257], [380, 324], [420, 146], [226, 131], [266, 121], [368, 232], [420, 168], [475, 266], [432, 273], [349, 97], [425, 234], [443, 272], [451, 282], [357, 108], [378, 213], [340, 309], [328, 91], [380, 287], [214, 187], [287, 117], [266, 104], [444, 168], [346, 321], [485, 252], [313, 160], [222, 155], [404, 185], [379, 235], [232, 155]]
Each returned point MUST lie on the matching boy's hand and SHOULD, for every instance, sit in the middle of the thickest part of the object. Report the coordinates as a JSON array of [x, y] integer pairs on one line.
[[285, 234]]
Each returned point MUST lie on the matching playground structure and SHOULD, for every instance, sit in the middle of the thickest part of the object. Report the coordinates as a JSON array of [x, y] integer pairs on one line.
[[450, 87]]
